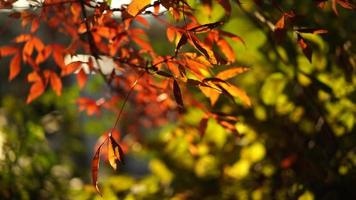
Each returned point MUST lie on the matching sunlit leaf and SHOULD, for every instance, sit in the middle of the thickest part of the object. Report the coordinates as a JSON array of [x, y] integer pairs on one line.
[[36, 90], [15, 66], [231, 73], [95, 167], [115, 153], [56, 83], [136, 6]]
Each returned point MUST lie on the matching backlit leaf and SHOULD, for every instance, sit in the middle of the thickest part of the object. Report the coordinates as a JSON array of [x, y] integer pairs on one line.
[[95, 167], [232, 72], [115, 153], [8, 50], [81, 78], [15, 66], [136, 6], [36, 90], [56, 83]]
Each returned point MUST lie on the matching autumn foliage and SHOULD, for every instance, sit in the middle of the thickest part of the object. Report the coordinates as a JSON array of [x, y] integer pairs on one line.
[[157, 84]]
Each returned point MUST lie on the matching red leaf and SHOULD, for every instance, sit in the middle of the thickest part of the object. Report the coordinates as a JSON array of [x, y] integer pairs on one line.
[[35, 25], [56, 83], [95, 167], [81, 78], [8, 50], [15, 66], [35, 91], [58, 52]]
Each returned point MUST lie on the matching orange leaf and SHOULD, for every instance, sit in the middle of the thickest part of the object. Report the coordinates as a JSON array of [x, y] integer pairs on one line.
[[170, 33], [142, 43], [33, 77], [38, 44], [58, 56], [136, 6], [22, 38], [232, 36], [281, 23], [8, 50], [95, 167], [115, 153], [35, 91], [71, 67], [35, 25], [44, 54], [56, 83], [81, 78], [227, 50], [15, 66], [237, 92], [211, 92], [204, 49], [307, 50], [28, 47], [230, 73]]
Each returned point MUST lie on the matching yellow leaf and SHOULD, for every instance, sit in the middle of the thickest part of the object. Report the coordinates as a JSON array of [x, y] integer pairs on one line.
[[230, 73], [237, 92], [136, 6]]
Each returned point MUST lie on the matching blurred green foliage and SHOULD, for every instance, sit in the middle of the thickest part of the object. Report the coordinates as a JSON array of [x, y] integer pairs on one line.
[[297, 141]]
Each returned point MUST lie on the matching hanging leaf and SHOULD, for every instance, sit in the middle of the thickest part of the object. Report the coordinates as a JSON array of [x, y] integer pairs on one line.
[[15, 66], [178, 95], [115, 153], [81, 78], [95, 167], [136, 6], [307, 50], [56, 83], [35, 91]]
